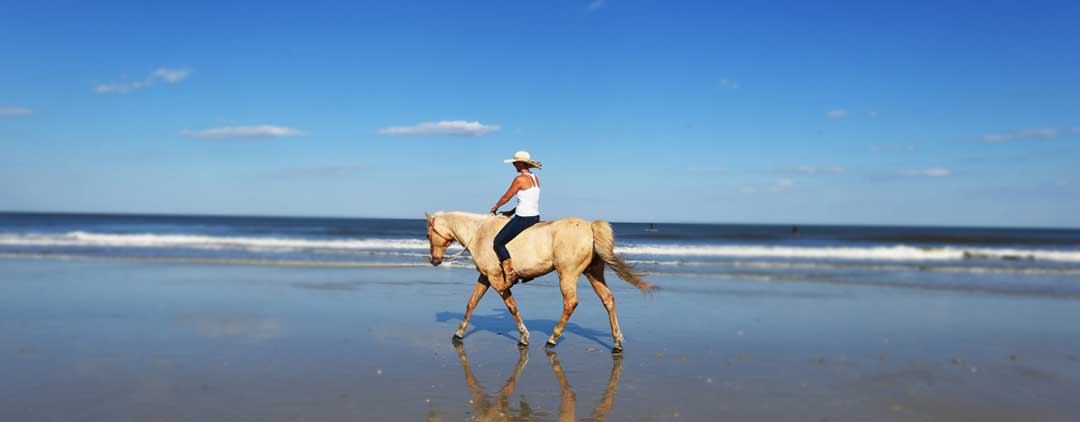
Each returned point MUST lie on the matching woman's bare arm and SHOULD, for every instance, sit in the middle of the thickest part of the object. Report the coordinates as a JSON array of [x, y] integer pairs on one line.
[[514, 187]]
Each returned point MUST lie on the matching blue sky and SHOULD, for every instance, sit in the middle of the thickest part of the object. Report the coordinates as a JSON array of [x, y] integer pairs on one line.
[[929, 113]]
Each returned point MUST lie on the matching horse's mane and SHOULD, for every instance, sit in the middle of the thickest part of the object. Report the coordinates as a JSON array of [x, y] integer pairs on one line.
[[460, 214]]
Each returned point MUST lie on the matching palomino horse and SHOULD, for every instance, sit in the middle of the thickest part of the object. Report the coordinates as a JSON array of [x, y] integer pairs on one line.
[[569, 246]]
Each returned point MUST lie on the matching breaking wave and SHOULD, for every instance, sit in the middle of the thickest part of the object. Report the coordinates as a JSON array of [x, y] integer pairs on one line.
[[881, 253], [256, 244], [406, 246]]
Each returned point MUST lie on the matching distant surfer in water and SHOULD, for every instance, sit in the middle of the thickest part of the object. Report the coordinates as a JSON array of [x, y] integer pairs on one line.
[[527, 188]]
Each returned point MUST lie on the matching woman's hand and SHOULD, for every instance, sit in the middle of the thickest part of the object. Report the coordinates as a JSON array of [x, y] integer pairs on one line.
[[493, 210]]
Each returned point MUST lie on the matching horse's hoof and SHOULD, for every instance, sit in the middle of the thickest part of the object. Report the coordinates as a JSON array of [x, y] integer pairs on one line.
[[522, 344], [458, 337], [617, 350], [550, 343]]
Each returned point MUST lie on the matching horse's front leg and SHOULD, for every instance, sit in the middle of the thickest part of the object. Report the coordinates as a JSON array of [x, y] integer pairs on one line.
[[511, 305], [478, 292]]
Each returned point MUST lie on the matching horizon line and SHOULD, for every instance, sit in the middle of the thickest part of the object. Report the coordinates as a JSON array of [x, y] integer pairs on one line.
[[338, 217]]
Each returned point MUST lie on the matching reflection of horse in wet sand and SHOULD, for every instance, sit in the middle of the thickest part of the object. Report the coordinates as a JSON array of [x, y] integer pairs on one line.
[[569, 246], [497, 408]]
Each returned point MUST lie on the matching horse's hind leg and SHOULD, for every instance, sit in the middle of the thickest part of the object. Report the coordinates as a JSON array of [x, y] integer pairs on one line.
[[511, 305], [478, 292], [595, 274], [568, 285]]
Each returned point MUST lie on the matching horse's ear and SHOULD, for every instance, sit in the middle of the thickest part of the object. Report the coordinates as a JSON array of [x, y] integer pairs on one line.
[[428, 216]]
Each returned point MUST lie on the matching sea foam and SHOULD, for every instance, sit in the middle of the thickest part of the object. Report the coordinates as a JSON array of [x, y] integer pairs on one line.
[[315, 245]]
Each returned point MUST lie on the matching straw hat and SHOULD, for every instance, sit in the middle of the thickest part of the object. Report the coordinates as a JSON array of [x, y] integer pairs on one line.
[[523, 156]]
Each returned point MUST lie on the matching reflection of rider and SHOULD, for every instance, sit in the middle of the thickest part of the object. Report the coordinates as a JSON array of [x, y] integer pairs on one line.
[[527, 188], [486, 410]]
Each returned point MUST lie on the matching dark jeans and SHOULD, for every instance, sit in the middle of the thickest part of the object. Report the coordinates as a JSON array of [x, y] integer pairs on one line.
[[516, 225]]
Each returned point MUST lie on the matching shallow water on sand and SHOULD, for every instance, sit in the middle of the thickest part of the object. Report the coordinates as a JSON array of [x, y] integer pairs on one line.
[[104, 340]]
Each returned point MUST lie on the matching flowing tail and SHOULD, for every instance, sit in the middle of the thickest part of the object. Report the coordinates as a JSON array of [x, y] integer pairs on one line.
[[604, 247]]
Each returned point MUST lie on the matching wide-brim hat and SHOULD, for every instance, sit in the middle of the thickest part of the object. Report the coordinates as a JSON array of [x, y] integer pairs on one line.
[[523, 157]]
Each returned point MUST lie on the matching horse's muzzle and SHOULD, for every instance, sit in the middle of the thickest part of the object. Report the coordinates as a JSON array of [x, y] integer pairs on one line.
[[435, 261]]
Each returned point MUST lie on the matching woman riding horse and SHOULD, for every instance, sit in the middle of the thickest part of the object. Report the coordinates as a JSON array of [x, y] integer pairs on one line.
[[527, 188]]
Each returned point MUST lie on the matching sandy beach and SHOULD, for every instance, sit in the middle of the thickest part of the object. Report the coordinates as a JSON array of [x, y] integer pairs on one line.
[[86, 340]]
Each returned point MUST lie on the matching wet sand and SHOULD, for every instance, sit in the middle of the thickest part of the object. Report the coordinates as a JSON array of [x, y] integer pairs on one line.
[[120, 341]]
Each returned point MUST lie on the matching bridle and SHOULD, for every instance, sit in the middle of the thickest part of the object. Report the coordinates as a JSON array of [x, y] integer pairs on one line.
[[464, 245]]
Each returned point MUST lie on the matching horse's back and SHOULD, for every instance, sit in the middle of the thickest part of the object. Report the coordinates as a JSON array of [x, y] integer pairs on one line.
[[549, 245]]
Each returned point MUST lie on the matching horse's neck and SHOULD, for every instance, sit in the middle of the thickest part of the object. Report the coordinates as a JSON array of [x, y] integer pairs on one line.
[[465, 228]]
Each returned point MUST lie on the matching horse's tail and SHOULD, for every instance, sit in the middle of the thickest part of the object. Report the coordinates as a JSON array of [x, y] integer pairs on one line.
[[604, 247]]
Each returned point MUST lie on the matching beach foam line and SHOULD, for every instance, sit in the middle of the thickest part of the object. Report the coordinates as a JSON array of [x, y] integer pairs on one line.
[[880, 253], [232, 261], [280, 244], [691, 267], [255, 244]]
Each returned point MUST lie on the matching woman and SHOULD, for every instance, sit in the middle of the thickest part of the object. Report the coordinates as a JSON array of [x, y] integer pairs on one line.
[[527, 188]]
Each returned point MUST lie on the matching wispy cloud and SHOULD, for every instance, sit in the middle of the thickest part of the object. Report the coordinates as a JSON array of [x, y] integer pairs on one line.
[[446, 127], [837, 114], [118, 88], [729, 84], [812, 170], [597, 5], [170, 76], [15, 111], [257, 131], [930, 172], [776, 186], [1044, 133]]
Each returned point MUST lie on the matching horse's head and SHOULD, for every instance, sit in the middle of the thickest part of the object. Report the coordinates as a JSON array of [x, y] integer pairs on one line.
[[438, 238]]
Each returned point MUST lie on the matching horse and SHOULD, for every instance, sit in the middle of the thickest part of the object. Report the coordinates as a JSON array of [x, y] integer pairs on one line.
[[569, 246]]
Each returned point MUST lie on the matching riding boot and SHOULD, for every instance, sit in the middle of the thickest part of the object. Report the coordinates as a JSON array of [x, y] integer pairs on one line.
[[509, 274]]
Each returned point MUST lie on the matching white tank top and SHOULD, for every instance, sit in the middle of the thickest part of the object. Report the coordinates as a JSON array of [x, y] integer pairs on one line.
[[529, 200]]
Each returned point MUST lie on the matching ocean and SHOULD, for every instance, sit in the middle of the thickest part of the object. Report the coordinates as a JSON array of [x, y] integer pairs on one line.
[[1042, 262]]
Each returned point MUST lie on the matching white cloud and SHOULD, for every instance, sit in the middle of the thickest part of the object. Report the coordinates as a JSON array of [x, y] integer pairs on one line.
[[118, 88], [872, 114], [930, 172], [258, 131], [171, 76], [15, 111], [1044, 133], [162, 74], [445, 127], [813, 170], [597, 4], [747, 189], [784, 184], [837, 114], [729, 84]]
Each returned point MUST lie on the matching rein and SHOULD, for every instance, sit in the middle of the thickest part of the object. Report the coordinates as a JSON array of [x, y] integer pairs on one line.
[[466, 245]]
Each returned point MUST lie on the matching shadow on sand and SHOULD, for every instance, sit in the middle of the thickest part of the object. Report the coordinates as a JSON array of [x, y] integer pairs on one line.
[[487, 407], [502, 324]]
